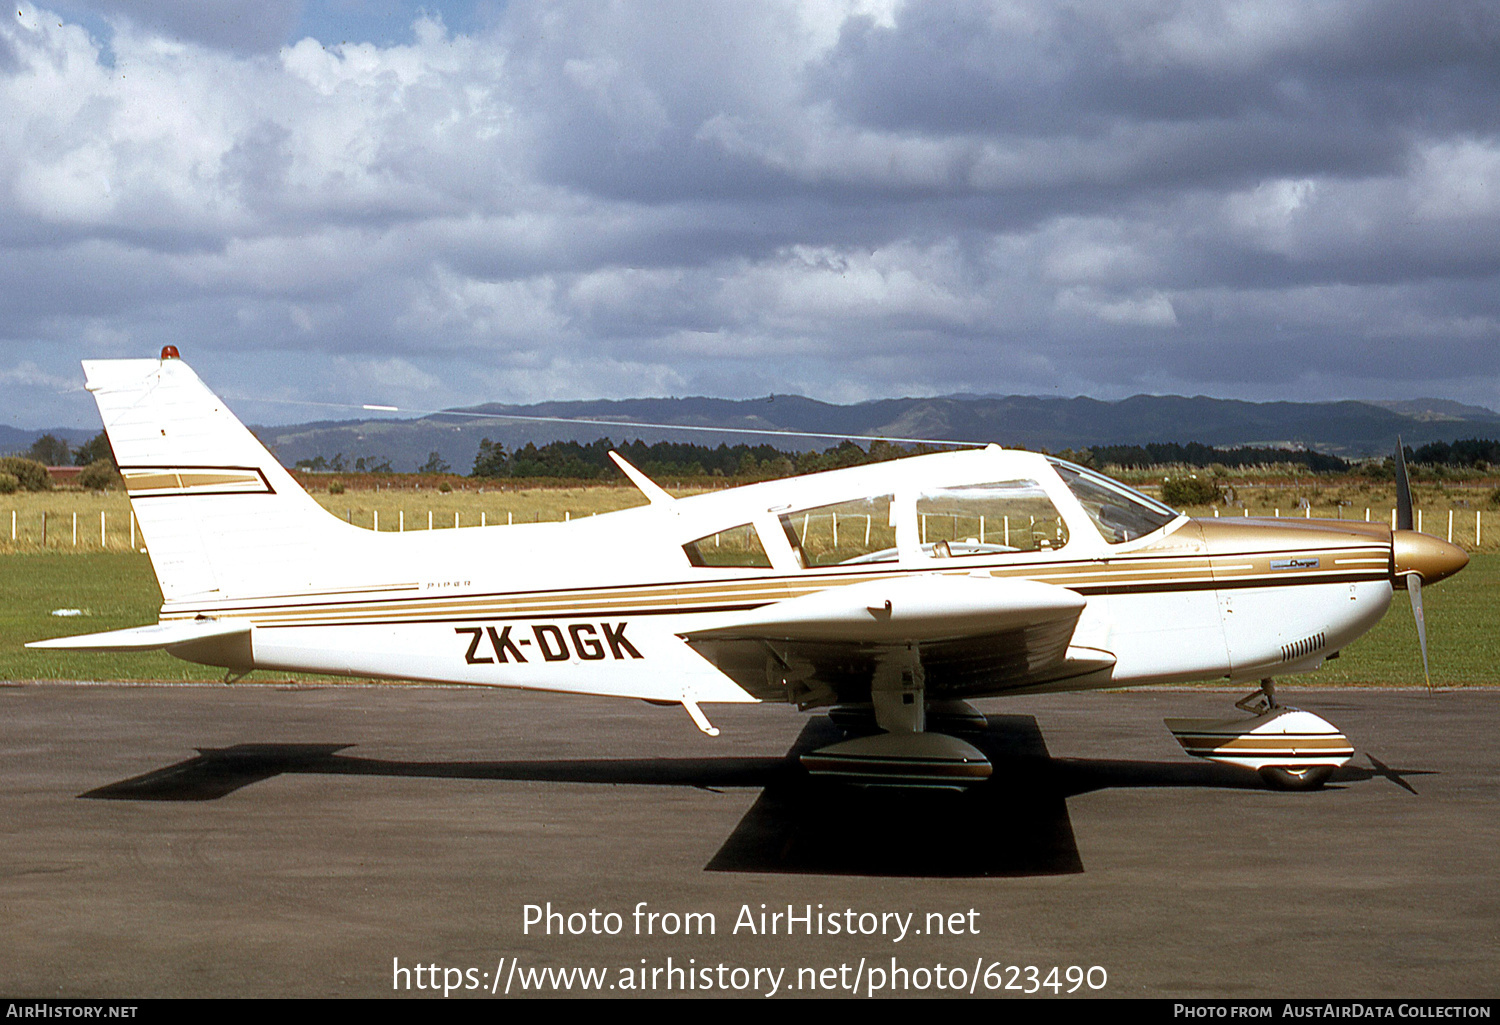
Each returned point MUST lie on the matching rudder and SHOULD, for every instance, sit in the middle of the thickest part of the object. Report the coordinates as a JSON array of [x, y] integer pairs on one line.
[[221, 518]]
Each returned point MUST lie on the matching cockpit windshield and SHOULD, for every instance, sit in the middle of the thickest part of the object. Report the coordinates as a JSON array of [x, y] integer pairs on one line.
[[1121, 513]]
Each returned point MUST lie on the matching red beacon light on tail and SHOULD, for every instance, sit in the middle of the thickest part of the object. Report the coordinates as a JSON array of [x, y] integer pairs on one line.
[[170, 352]]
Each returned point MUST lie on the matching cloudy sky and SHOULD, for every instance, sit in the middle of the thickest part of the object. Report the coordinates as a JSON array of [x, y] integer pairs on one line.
[[373, 201]]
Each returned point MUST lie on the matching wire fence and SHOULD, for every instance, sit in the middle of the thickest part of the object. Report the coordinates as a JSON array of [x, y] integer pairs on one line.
[[1470, 529], [66, 529], [115, 529]]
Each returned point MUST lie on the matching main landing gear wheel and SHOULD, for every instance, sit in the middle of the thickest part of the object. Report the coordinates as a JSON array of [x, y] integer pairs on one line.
[[1298, 777]]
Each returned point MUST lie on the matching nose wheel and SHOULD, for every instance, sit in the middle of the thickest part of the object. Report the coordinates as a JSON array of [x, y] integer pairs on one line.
[[1289, 748], [1307, 777]]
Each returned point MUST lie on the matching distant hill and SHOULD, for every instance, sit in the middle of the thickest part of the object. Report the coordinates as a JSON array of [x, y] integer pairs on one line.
[[1350, 429], [1434, 409]]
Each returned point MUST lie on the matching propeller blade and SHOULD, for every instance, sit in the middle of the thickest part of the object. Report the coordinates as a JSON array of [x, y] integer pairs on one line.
[[1403, 489], [1414, 588]]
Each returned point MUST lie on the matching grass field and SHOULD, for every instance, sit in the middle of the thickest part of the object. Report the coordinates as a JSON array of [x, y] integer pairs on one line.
[[117, 589]]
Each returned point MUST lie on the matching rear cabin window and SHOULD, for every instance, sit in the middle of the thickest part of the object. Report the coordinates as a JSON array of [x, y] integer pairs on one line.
[[734, 546], [988, 519], [856, 531]]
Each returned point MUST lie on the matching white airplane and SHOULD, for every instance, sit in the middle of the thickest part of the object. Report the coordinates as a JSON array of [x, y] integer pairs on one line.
[[892, 594]]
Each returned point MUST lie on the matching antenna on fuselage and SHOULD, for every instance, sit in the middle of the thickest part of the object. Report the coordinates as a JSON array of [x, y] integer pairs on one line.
[[649, 487]]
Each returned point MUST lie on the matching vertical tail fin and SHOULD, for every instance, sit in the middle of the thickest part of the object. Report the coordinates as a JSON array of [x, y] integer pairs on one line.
[[220, 516]]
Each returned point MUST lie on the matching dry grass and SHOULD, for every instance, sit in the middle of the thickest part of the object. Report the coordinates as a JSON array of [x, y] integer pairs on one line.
[[408, 507], [398, 508]]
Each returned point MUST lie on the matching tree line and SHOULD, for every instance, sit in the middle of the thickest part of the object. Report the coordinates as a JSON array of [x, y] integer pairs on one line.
[[27, 471], [572, 460], [1470, 453], [577, 461], [50, 450], [1143, 457]]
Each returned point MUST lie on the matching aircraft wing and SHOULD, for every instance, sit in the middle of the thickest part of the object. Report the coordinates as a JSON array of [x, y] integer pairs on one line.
[[972, 636]]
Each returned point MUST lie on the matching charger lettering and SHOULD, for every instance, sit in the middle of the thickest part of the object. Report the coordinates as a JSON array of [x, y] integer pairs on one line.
[[548, 639]]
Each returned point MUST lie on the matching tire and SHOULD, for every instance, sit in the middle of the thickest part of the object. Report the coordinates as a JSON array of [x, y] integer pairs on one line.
[[1305, 777]]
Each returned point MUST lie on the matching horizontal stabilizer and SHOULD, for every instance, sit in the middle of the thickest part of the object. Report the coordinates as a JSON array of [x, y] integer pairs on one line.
[[149, 638]]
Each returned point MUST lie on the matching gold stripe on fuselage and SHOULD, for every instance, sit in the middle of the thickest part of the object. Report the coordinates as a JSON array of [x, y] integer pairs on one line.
[[1121, 575], [1271, 744]]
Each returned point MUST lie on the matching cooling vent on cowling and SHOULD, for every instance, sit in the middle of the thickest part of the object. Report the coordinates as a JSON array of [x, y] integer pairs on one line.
[[1303, 648]]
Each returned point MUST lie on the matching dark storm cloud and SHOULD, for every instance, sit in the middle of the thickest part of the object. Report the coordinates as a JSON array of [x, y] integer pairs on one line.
[[849, 198], [1071, 68]]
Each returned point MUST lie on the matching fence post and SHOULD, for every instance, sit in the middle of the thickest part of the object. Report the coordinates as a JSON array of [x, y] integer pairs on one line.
[[401, 522], [75, 530], [455, 521], [1450, 526], [1476, 528], [377, 519], [44, 528], [1419, 521], [429, 519], [12, 524], [103, 541]]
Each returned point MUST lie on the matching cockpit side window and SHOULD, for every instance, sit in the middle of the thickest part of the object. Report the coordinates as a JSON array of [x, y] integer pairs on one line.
[[988, 519], [856, 531], [1121, 513], [734, 546]]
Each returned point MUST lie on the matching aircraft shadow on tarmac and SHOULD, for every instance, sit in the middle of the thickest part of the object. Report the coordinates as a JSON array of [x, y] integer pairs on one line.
[[1015, 824]]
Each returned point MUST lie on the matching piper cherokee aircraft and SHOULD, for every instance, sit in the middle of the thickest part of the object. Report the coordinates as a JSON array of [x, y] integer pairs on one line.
[[891, 594]]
